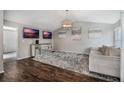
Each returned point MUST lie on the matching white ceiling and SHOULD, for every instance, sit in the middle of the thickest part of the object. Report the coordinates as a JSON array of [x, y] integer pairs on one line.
[[52, 19]]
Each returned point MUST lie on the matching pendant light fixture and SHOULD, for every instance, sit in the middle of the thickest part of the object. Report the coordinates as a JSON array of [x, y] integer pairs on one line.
[[67, 23]]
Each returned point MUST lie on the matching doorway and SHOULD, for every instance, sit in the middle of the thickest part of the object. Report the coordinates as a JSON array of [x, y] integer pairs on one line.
[[10, 43]]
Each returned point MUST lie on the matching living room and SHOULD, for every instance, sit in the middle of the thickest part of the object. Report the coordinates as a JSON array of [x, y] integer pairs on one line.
[[84, 43]]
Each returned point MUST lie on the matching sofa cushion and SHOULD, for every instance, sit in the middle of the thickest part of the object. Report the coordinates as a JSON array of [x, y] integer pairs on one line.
[[114, 52], [109, 51], [104, 50], [101, 49]]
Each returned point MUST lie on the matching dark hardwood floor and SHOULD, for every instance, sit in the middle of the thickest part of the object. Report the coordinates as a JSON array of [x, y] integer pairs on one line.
[[28, 70]]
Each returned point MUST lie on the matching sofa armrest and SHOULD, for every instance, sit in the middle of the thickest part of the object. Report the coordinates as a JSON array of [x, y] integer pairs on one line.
[[109, 65]]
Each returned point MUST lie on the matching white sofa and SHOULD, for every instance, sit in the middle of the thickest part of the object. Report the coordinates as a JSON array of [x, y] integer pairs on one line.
[[109, 65]]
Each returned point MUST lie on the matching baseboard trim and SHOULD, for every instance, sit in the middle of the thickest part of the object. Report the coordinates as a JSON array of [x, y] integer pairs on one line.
[[23, 58], [2, 72]]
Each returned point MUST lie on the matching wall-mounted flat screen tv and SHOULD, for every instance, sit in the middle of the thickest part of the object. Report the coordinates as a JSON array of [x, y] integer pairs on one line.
[[47, 35], [30, 33]]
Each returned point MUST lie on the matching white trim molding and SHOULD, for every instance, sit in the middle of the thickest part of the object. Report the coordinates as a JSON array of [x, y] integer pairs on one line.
[[23, 58]]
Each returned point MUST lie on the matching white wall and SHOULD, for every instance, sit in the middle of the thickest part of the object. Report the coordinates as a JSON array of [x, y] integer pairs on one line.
[[67, 44], [122, 50], [1, 41], [9, 41], [24, 44], [117, 24]]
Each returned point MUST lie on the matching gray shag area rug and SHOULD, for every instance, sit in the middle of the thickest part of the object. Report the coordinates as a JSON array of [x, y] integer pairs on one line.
[[71, 61]]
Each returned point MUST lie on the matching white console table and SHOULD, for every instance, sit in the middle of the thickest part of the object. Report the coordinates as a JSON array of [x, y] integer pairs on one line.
[[34, 48]]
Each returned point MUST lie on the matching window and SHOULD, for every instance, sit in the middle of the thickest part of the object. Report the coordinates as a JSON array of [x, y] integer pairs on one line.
[[117, 37]]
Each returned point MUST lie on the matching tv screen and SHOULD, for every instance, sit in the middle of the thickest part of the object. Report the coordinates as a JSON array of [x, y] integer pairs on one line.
[[47, 35], [30, 33]]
